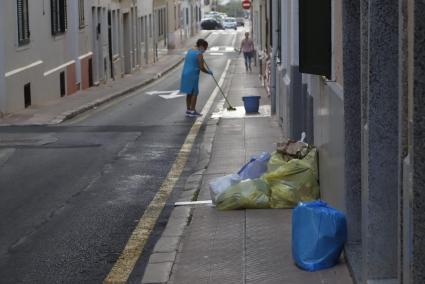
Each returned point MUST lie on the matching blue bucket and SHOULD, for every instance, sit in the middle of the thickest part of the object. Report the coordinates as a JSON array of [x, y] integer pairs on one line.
[[251, 103]]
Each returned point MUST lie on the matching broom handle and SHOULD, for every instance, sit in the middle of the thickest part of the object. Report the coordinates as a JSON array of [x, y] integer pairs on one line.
[[218, 85]]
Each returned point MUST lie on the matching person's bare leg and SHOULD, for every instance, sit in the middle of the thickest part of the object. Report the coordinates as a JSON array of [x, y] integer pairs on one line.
[[188, 101], [193, 102]]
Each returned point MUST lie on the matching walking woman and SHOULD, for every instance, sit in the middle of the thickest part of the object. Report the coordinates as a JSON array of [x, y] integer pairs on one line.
[[193, 64], [247, 47]]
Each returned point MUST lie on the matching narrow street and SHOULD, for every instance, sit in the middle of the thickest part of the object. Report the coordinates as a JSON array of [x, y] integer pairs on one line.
[[73, 193], [302, 162]]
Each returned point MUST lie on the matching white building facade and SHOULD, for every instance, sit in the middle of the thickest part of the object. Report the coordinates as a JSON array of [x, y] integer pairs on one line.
[[54, 48], [45, 51]]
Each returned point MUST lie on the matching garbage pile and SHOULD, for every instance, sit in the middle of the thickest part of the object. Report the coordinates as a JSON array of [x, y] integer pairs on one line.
[[278, 180], [288, 178]]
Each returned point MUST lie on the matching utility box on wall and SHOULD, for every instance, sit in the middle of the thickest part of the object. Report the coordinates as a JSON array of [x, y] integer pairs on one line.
[[315, 36]]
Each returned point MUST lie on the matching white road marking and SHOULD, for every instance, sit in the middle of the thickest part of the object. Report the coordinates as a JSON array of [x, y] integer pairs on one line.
[[233, 42], [151, 93], [166, 94], [173, 95], [221, 49]]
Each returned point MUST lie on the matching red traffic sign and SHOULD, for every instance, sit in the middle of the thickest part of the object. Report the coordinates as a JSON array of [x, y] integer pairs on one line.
[[246, 4]]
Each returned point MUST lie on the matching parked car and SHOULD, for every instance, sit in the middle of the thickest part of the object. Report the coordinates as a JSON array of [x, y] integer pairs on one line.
[[240, 22], [210, 24], [219, 19], [230, 23]]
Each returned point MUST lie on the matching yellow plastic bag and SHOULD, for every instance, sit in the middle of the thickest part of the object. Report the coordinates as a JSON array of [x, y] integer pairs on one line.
[[276, 160], [248, 194], [294, 181]]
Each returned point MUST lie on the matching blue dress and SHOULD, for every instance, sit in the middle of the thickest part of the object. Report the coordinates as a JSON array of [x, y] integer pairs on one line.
[[190, 75]]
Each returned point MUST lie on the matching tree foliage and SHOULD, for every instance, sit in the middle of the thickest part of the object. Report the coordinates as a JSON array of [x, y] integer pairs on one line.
[[232, 8]]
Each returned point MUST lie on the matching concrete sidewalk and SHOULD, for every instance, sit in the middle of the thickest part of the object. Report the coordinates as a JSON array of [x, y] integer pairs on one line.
[[240, 246], [59, 110]]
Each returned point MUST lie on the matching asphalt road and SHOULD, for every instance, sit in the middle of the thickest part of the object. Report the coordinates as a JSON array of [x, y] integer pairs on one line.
[[72, 194]]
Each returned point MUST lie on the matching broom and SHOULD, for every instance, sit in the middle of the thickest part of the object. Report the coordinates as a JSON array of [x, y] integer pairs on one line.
[[230, 107]]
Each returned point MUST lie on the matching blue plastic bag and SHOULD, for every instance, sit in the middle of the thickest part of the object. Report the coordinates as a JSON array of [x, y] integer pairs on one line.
[[319, 233], [256, 167]]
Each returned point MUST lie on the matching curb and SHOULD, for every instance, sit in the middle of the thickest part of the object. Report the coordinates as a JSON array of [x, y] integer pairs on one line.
[[70, 114], [161, 261]]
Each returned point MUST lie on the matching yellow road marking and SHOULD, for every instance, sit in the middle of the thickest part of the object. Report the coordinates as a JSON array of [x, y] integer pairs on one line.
[[134, 247]]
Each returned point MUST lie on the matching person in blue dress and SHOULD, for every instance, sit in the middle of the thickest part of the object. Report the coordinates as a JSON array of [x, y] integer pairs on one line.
[[193, 64]]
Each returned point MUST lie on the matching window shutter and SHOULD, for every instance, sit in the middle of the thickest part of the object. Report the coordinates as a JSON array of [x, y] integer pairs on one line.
[[65, 15], [26, 22], [81, 11], [54, 20], [23, 22], [20, 10], [315, 38]]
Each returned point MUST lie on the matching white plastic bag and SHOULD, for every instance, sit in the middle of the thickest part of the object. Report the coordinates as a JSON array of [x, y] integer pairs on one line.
[[220, 184]]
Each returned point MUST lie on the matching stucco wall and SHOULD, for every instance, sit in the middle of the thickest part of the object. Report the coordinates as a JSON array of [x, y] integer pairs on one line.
[[41, 61]]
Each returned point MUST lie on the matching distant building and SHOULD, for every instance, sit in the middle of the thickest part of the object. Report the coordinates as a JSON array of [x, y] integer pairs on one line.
[[190, 17], [54, 48], [146, 30]]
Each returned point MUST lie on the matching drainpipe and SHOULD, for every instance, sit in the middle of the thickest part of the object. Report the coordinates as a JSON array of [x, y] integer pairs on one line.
[[275, 31]]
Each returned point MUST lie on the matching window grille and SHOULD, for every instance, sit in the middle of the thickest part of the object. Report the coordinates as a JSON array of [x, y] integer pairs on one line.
[[81, 21], [59, 19], [23, 22]]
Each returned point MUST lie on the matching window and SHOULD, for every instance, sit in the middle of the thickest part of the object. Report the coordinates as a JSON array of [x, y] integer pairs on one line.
[[23, 22], [142, 29], [159, 22], [175, 17], [150, 25], [59, 16], [315, 37], [81, 18], [114, 31]]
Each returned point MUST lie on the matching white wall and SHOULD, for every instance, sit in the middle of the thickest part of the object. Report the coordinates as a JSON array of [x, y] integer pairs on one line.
[[39, 62], [325, 99], [145, 7]]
